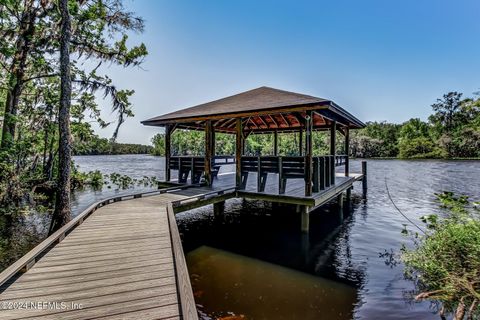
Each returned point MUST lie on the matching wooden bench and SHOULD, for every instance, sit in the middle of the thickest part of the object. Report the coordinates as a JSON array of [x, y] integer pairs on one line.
[[286, 167], [193, 167], [290, 168]]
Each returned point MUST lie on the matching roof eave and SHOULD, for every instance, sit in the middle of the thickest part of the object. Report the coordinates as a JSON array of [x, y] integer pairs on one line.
[[347, 115], [309, 106]]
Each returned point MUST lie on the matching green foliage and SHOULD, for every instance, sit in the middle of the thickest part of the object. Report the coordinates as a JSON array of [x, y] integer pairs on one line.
[[453, 131], [30, 76], [445, 264], [420, 147], [185, 142], [377, 139]]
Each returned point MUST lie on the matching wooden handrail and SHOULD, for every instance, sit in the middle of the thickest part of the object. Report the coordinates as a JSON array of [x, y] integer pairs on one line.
[[29, 259], [203, 196], [184, 286]]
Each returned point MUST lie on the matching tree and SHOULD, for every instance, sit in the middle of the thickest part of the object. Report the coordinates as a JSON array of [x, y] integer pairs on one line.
[[16, 71], [415, 141], [447, 115], [62, 213]]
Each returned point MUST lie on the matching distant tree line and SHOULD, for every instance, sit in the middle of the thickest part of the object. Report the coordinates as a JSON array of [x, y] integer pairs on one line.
[[452, 131], [103, 146]]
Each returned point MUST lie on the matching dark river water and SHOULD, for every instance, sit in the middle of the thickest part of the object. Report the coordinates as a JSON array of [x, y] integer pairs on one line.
[[255, 264]]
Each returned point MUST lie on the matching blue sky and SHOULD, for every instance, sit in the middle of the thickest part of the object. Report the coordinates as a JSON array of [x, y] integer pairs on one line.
[[381, 60]]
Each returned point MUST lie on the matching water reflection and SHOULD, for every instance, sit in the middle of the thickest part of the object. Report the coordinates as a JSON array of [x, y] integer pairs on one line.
[[271, 237], [246, 288]]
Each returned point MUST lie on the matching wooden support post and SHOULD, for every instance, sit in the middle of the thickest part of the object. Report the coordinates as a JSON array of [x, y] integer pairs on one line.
[[349, 199], [308, 154], [238, 152], [333, 131], [300, 142], [208, 152], [340, 206], [364, 178], [259, 174], [347, 150], [328, 175], [305, 217], [333, 148], [168, 133], [316, 175], [218, 209], [281, 187], [322, 173], [213, 152], [275, 143]]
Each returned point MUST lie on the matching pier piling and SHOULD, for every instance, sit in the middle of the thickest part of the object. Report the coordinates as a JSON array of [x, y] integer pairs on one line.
[[364, 178], [218, 209], [305, 225]]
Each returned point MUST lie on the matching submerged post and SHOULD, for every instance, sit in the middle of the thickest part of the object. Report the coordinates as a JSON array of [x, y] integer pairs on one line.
[[218, 209], [238, 152], [349, 197], [168, 133], [208, 152], [305, 225], [364, 178], [340, 207]]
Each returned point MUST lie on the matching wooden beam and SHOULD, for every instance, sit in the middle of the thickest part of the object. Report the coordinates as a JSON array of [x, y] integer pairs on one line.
[[238, 152], [308, 154], [284, 120], [251, 121], [263, 121], [168, 133], [230, 123], [208, 152], [273, 120], [299, 118]]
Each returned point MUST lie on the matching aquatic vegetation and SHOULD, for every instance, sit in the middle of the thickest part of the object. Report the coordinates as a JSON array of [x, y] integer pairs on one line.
[[445, 263]]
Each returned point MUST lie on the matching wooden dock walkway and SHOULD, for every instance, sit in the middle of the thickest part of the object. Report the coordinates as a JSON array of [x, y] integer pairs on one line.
[[124, 259], [124, 262]]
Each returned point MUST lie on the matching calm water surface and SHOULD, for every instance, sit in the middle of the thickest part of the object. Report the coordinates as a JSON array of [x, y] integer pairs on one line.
[[255, 264]]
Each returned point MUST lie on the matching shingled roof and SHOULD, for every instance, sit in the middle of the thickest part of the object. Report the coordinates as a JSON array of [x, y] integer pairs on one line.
[[264, 109]]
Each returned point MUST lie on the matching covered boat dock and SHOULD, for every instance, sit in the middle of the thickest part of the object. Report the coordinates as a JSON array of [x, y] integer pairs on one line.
[[304, 179]]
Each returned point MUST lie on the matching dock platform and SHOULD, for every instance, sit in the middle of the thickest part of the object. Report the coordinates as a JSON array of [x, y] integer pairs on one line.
[[124, 259]]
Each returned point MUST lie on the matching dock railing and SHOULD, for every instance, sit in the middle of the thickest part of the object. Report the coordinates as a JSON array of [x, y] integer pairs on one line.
[[291, 167], [194, 166]]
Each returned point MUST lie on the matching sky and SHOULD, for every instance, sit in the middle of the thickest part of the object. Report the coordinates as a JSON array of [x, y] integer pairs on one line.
[[381, 60]]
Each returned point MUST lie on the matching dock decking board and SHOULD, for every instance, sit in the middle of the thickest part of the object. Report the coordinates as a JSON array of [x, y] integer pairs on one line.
[[118, 264]]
